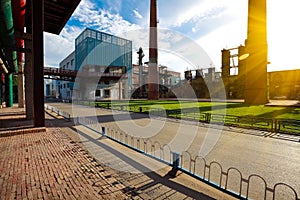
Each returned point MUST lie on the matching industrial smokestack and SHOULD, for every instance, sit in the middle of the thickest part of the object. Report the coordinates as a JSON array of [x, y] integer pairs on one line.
[[257, 49], [153, 91]]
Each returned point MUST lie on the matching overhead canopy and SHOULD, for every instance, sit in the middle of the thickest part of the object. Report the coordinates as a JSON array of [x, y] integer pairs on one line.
[[56, 14]]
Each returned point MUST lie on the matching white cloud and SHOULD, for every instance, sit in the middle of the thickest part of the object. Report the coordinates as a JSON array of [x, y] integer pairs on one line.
[[137, 14], [57, 47], [90, 16], [175, 13], [231, 16], [85, 11], [176, 50], [228, 36]]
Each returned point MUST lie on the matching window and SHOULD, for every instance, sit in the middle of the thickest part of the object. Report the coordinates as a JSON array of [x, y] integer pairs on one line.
[[93, 34], [99, 36], [107, 93], [68, 65], [108, 38], [98, 93], [87, 34], [106, 82], [114, 40], [72, 62]]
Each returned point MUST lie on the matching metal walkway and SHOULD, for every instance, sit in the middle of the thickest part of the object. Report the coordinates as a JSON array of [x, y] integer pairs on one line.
[[70, 75]]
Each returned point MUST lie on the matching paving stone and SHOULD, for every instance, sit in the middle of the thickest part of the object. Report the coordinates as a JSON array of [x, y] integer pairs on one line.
[[55, 168]]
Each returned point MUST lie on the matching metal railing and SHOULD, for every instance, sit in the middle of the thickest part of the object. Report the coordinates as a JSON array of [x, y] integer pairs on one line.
[[64, 114], [266, 124], [230, 181]]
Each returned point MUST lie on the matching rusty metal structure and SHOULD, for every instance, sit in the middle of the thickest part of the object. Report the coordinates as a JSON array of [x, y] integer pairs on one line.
[[29, 20], [153, 93]]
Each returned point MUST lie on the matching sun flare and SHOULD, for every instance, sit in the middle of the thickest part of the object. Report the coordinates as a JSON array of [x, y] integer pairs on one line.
[[283, 34]]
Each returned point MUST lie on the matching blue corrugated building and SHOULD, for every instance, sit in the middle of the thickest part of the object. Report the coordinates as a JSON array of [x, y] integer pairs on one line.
[[101, 49]]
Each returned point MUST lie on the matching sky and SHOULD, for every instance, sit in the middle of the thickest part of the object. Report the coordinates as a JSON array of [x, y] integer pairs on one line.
[[210, 25]]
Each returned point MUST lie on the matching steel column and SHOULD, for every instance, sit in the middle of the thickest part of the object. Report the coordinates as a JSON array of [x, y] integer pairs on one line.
[[38, 61], [28, 71]]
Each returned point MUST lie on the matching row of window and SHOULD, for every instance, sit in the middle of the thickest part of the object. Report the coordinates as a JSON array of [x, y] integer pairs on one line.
[[65, 85], [98, 93], [68, 64], [101, 37]]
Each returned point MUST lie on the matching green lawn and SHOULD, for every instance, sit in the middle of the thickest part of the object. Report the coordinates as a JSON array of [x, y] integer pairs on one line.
[[278, 119], [235, 109]]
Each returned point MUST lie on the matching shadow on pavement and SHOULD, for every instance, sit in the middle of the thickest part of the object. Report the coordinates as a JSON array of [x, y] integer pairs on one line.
[[155, 177]]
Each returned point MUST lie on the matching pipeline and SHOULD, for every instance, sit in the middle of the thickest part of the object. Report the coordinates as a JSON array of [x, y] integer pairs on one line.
[[19, 23], [7, 34], [7, 40]]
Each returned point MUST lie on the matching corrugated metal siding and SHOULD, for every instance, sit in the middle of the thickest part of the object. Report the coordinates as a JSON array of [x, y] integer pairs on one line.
[[98, 48]]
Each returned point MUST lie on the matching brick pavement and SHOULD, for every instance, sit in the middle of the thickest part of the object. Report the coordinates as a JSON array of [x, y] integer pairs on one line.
[[149, 185], [53, 163], [49, 165]]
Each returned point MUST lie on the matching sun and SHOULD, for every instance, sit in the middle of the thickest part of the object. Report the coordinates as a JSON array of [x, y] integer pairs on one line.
[[283, 34]]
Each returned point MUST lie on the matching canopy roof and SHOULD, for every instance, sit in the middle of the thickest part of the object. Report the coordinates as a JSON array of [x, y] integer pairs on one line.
[[56, 14]]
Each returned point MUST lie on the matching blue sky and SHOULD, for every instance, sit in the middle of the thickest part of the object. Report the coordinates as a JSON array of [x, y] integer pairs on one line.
[[211, 24]]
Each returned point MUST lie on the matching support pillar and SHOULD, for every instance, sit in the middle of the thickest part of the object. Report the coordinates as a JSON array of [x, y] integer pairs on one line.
[[242, 71], [256, 46], [20, 86], [0, 90], [120, 89], [28, 71], [9, 90], [38, 61], [226, 70]]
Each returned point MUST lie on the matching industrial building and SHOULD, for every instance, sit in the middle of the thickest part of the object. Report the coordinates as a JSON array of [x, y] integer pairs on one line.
[[63, 87], [280, 84], [111, 57], [201, 80], [109, 89], [50, 88], [167, 79], [108, 55], [98, 53], [284, 84]]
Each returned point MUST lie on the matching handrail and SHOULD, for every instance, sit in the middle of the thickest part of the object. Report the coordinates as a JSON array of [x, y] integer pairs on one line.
[[244, 183], [275, 125]]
